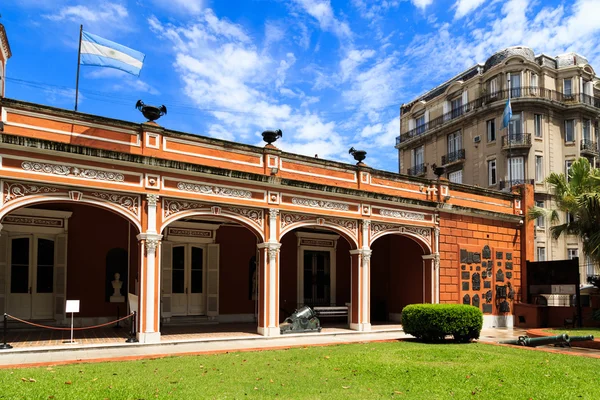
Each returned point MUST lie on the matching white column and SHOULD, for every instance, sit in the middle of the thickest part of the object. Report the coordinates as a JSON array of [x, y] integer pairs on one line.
[[152, 201], [363, 285], [269, 285]]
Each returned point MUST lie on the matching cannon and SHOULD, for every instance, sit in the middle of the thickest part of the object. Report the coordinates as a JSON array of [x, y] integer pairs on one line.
[[303, 319], [560, 340], [581, 338]]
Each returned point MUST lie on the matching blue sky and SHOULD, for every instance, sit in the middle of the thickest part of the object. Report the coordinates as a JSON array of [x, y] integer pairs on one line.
[[330, 73]]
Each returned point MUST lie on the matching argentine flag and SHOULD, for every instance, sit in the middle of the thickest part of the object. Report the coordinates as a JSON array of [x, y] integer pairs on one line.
[[507, 115], [104, 53]]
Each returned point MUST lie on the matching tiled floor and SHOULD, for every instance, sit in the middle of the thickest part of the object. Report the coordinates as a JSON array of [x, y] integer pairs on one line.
[[20, 338]]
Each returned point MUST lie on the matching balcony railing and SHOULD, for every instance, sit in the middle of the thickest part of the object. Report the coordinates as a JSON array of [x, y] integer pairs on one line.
[[418, 169], [516, 140], [506, 184], [528, 92], [589, 146], [455, 156]]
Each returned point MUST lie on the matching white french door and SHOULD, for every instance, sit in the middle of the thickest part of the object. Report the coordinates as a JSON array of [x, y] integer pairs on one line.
[[516, 172], [188, 272], [31, 276]]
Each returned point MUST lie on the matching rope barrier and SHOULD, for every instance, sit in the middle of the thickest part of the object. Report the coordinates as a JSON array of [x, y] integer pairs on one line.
[[83, 328]]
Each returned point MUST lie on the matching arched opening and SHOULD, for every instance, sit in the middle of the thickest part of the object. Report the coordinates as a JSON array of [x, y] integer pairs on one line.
[[399, 276], [315, 270], [209, 279], [51, 251]]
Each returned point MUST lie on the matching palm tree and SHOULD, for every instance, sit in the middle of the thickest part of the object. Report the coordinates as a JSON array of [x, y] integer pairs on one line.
[[577, 195]]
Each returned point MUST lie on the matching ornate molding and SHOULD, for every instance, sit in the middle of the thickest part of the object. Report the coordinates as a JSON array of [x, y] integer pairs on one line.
[[214, 190], [171, 207], [34, 221], [289, 219], [15, 190], [129, 202], [152, 199], [386, 212], [424, 232], [350, 224], [253, 214], [273, 213], [326, 204], [377, 227], [67, 170]]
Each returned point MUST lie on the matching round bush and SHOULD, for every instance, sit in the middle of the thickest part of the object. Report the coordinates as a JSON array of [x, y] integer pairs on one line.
[[432, 322]]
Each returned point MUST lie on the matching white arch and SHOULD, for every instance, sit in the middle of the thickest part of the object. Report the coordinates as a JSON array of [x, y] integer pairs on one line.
[[346, 233], [30, 200], [246, 222], [425, 246]]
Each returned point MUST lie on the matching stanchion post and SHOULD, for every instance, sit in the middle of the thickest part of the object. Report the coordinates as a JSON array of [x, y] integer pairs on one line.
[[4, 345], [132, 334]]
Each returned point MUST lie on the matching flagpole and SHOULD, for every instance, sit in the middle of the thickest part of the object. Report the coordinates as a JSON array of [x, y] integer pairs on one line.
[[509, 143], [78, 64]]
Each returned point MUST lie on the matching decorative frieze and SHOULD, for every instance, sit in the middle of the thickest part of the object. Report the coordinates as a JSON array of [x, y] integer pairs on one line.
[[325, 204], [385, 212], [350, 224], [67, 170], [191, 232], [214, 190], [171, 206], [256, 215], [14, 190], [129, 202], [424, 232], [289, 219]]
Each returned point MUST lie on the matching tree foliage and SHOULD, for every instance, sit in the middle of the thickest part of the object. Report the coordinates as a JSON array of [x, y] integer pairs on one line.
[[577, 194]]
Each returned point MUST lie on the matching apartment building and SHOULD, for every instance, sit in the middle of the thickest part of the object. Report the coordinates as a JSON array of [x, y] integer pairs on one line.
[[458, 126]]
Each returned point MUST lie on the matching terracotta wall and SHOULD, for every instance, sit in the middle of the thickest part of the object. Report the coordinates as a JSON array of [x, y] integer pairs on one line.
[[237, 247], [396, 276], [472, 233]]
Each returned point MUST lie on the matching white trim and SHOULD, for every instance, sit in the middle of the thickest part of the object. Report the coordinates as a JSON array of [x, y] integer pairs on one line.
[[314, 223], [340, 202], [300, 263], [34, 212], [155, 136], [282, 168], [201, 183], [190, 143]]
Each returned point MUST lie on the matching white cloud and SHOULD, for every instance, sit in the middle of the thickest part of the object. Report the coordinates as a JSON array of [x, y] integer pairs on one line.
[[193, 7], [353, 59], [284, 65], [97, 17], [273, 33], [374, 10], [422, 4], [321, 11], [464, 7]]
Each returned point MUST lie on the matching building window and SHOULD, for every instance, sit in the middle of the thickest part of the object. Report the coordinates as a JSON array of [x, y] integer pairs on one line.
[[515, 84], [491, 130], [537, 122], [417, 156], [568, 164], [569, 218], [492, 180], [420, 122], [539, 169], [540, 222], [572, 253], [568, 87], [587, 130], [456, 107], [493, 87], [590, 268], [541, 254], [516, 172], [455, 177], [454, 142], [570, 130], [534, 83]]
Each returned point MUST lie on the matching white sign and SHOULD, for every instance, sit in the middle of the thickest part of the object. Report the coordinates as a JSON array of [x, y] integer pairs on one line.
[[72, 306], [133, 303]]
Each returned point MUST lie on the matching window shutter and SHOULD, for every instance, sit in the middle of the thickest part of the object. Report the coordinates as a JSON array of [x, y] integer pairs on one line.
[[411, 124], [446, 110], [465, 100], [212, 284], [166, 272], [3, 269], [426, 116], [60, 276]]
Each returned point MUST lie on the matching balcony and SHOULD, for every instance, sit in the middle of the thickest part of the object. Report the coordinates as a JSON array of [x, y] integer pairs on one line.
[[454, 157], [506, 184], [419, 169], [589, 147], [516, 141], [517, 94]]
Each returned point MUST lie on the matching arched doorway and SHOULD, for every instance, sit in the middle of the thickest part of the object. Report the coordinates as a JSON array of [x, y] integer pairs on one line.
[[53, 250], [399, 276]]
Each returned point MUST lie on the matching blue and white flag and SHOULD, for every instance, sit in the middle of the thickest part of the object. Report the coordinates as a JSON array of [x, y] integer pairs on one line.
[[507, 115], [104, 53]]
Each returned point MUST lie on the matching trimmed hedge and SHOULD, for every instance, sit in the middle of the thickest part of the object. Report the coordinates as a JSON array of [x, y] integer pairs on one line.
[[432, 322]]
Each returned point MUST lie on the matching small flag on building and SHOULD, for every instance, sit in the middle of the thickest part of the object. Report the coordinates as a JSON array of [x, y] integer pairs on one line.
[[104, 53], [507, 115]]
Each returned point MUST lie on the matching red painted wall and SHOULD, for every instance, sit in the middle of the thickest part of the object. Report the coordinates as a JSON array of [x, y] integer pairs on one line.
[[237, 246]]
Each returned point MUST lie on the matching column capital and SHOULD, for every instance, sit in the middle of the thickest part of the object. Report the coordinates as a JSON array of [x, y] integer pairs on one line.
[[365, 254], [151, 240], [273, 212], [152, 199]]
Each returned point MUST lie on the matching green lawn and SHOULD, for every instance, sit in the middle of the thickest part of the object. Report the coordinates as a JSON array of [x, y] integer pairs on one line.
[[576, 332], [358, 371]]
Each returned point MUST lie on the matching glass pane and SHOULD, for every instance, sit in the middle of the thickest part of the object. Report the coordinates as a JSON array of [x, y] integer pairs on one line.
[[308, 277], [178, 272], [19, 268], [197, 261], [45, 266]]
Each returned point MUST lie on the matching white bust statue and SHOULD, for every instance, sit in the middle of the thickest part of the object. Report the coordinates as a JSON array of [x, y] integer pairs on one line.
[[116, 284]]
